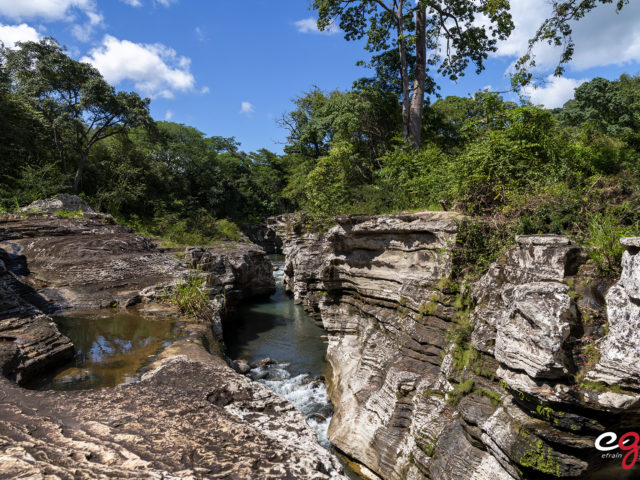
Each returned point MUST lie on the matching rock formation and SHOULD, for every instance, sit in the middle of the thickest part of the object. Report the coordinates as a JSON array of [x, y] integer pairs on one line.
[[513, 377], [191, 417]]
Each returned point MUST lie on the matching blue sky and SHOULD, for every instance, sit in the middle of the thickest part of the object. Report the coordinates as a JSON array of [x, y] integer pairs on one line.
[[232, 68]]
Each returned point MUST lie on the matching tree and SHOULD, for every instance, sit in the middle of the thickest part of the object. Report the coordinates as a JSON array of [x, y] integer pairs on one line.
[[79, 106], [611, 106], [416, 29], [556, 30]]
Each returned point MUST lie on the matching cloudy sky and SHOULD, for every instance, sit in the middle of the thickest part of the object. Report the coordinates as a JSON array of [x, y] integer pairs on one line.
[[232, 68]]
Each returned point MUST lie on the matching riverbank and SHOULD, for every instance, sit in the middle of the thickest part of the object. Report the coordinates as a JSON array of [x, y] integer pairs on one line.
[[190, 416]]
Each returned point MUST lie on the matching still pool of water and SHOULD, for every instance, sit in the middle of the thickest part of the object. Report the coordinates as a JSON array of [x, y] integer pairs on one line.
[[111, 348]]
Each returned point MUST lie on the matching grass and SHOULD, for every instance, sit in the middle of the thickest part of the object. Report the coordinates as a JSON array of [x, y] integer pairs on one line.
[[172, 231], [459, 391], [600, 387], [190, 296], [69, 214]]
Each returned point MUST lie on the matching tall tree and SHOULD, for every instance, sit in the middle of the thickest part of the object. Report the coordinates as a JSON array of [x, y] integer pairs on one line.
[[557, 30], [468, 29], [80, 107]]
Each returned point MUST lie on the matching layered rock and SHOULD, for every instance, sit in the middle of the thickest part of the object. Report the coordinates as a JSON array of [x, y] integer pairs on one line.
[[619, 362], [186, 420], [85, 262], [239, 272], [432, 380], [191, 417]]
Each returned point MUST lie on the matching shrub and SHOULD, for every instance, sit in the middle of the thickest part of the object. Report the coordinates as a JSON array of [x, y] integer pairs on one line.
[[190, 296], [459, 391], [69, 214], [604, 231]]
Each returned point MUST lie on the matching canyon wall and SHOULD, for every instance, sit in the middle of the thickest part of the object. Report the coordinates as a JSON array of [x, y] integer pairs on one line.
[[511, 377]]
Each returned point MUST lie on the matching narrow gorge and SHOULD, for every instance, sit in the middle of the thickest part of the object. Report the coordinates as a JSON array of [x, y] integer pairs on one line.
[[513, 376]]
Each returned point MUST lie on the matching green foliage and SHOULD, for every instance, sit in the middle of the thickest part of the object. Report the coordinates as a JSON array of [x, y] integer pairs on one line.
[[190, 296], [600, 387], [459, 391], [604, 231], [433, 393], [428, 448], [174, 231], [538, 455], [69, 214], [544, 411], [478, 245], [556, 30]]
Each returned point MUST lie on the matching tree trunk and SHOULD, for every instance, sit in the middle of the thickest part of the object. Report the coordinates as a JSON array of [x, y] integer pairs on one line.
[[417, 100], [63, 161], [402, 48], [78, 177]]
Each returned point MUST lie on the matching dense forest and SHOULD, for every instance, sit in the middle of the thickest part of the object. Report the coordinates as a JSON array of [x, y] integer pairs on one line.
[[517, 167]]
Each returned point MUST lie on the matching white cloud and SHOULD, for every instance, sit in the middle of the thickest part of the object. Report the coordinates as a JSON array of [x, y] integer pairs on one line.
[[156, 70], [602, 37], [50, 10], [166, 3], [309, 25], [168, 116], [246, 108], [204, 90], [56, 10], [554, 93], [84, 32], [133, 3], [10, 34]]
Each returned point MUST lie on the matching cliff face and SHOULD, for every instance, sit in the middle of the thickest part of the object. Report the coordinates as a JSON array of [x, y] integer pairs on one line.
[[512, 377], [190, 417]]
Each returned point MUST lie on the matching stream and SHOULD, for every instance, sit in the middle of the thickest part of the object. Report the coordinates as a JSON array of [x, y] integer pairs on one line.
[[278, 329]]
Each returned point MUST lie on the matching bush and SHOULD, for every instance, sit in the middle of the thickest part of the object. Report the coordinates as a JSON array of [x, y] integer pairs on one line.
[[173, 230], [604, 231], [190, 296]]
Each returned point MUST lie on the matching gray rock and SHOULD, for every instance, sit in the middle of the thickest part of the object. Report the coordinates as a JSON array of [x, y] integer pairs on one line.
[[531, 333], [631, 242], [62, 201], [241, 366], [542, 240], [619, 362]]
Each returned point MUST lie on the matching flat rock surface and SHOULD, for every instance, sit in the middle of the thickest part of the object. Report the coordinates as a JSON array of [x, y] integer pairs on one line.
[[85, 262], [185, 420]]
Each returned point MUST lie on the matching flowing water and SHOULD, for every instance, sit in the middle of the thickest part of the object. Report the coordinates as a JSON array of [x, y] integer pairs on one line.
[[276, 328], [112, 347]]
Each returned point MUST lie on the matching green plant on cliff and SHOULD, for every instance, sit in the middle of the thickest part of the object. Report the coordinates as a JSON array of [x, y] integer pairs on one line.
[[538, 455], [191, 297], [459, 391], [604, 231]]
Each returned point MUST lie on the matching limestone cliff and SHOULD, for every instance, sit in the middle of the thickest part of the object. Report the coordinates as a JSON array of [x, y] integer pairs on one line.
[[512, 377]]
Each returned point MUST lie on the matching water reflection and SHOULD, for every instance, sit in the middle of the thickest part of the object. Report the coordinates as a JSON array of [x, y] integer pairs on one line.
[[112, 347]]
